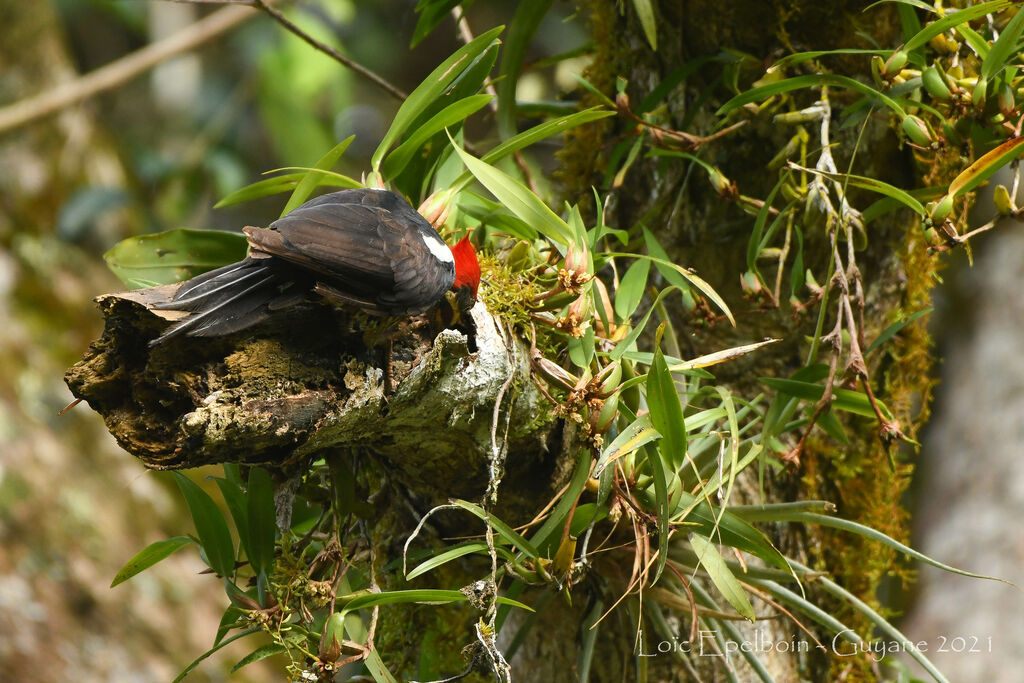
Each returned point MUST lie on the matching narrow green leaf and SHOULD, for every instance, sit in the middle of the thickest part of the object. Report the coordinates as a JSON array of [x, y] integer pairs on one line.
[[543, 131], [454, 553], [261, 521], [627, 343], [589, 630], [660, 468], [259, 653], [503, 530], [309, 183], [519, 200], [357, 632], [528, 16], [631, 289], [665, 266], [224, 643], [875, 535], [872, 184], [801, 57], [366, 600], [713, 563], [884, 626], [855, 402], [983, 168], [431, 89], [172, 256], [261, 188], [645, 12], [547, 536], [234, 498], [431, 14], [961, 16], [729, 529], [210, 526], [810, 80], [639, 432], [282, 183], [148, 556], [666, 411], [892, 330], [454, 113], [592, 89], [916, 3], [974, 39]]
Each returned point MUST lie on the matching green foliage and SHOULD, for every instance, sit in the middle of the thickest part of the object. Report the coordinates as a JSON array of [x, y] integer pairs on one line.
[[172, 256], [584, 293]]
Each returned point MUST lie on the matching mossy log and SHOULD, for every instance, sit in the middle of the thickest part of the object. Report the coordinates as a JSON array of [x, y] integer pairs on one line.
[[306, 384]]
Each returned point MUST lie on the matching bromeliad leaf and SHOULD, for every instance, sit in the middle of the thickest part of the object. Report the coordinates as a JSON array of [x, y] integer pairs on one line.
[[148, 556], [166, 257]]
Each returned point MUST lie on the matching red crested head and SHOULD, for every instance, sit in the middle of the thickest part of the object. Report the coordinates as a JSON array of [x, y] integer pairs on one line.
[[467, 268]]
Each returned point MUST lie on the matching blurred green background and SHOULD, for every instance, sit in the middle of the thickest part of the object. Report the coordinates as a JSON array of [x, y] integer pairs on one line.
[[152, 154]]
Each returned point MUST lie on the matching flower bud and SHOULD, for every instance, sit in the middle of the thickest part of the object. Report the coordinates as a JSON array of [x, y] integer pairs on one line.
[[877, 66], [1001, 198], [897, 60], [436, 207], [577, 268], [1007, 102], [980, 94], [934, 83], [722, 184], [917, 131], [334, 634], [938, 211]]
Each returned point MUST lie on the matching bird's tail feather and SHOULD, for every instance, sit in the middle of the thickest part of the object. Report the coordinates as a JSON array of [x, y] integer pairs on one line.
[[228, 299]]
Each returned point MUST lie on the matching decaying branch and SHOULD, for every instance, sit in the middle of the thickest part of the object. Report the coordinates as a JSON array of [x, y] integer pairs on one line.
[[307, 384]]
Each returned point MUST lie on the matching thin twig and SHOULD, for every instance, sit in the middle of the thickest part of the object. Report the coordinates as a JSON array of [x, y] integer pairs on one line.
[[331, 52], [122, 70]]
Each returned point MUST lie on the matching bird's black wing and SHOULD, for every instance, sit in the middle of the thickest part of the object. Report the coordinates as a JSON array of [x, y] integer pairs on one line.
[[367, 247]]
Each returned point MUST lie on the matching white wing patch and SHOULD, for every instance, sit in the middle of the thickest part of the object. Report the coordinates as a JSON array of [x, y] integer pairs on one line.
[[438, 248]]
